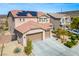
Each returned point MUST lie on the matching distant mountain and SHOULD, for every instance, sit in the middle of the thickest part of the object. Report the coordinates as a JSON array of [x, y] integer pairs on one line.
[[3, 16], [71, 13]]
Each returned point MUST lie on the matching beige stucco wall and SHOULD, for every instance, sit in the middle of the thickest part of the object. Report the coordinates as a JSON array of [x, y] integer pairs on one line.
[[48, 34], [55, 23], [31, 32], [18, 22], [19, 38], [23, 39], [11, 25]]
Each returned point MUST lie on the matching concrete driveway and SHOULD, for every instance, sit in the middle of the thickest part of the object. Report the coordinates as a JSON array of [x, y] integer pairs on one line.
[[51, 47]]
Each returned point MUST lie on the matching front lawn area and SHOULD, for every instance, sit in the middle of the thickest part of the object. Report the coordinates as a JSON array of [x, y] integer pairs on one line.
[[73, 41], [67, 38]]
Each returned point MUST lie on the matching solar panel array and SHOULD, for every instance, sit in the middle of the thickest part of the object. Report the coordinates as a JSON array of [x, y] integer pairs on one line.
[[24, 13]]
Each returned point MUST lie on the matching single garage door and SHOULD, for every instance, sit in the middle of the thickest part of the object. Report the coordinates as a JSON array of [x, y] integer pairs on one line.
[[47, 34], [35, 36]]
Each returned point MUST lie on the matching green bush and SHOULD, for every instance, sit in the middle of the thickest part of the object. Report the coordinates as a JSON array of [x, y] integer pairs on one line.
[[69, 44], [77, 37], [69, 33], [73, 37], [17, 50], [74, 42], [28, 48]]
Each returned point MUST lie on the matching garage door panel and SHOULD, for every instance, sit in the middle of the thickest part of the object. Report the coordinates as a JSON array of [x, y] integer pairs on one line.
[[36, 36]]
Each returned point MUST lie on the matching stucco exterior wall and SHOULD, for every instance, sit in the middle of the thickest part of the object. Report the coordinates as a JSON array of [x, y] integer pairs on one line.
[[48, 34], [31, 32], [11, 25], [55, 23], [19, 37], [23, 38], [18, 22]]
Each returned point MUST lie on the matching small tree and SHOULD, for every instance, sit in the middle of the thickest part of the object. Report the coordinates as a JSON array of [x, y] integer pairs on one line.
[[58, 32], [28, 48], [75, 23], [61, 32]]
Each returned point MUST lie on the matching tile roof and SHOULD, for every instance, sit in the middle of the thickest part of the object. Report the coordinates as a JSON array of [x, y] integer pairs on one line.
[[32, 25], [56, 15], [21, 13]]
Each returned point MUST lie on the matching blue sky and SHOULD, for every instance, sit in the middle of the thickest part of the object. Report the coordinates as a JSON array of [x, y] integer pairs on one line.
[[45, 7]]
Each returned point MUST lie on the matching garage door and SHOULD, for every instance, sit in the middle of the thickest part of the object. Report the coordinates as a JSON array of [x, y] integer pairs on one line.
[[35, 36], [47, 34]]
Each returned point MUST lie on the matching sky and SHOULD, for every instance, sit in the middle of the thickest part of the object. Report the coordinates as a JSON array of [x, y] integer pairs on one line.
[[44, 7]]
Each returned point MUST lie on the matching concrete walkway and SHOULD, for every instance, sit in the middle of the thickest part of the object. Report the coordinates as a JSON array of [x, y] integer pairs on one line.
[[51, 47]]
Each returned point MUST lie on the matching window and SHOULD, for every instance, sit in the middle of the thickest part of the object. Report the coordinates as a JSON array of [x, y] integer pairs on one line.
[[42, 20], [63, 20], [22, 19]]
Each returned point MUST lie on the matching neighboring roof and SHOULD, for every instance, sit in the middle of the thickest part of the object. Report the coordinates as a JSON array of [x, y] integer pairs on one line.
[[32, 25], [56, 15], [21, 13], [3, 16]]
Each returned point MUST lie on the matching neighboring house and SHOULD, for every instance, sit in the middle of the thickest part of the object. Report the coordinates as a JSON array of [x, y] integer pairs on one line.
[[29, 25], [65, 22], [59, 20]]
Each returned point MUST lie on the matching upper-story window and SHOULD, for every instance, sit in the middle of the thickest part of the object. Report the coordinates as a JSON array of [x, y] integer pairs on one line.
[[43, 20], [22, 19]]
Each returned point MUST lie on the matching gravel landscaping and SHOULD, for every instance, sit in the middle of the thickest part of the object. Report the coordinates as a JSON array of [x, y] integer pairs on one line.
[[10, 47]]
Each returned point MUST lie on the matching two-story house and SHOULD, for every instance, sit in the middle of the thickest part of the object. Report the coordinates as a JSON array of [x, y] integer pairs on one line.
[[65, 22], [60, 20], [29, 25]]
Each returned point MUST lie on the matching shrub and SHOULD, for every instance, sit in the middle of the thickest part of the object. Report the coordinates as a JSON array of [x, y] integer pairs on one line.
[[28, 48], [74, 42], [69, 33], [17, 50], [73, 37], [69, 44], [77, 37]]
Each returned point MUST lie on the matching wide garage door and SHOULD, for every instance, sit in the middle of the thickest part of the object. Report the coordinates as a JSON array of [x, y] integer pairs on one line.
[[35, 36]]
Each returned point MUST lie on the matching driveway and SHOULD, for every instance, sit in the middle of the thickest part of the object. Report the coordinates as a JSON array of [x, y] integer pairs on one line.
[[51, 47]]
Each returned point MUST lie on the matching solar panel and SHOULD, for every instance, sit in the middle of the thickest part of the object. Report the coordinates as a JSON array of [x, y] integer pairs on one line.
[[24, 13]]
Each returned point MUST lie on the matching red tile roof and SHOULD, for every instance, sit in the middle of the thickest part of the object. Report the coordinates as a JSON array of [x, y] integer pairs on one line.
[[32, 25], [15, 12]]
